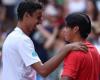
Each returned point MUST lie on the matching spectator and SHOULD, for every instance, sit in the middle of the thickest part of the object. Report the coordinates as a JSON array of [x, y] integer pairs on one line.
[[92, 10], [93, 13]]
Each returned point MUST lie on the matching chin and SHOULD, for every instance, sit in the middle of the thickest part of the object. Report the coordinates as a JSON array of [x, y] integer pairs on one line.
[[66, 40]]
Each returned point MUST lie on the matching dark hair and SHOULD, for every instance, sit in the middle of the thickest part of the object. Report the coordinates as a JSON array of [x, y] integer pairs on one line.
[[81, 20], [27, 6], [44, 1]]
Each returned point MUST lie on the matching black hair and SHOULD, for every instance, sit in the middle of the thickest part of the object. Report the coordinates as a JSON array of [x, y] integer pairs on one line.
[[81, 20], [29, 7], [44, 1]]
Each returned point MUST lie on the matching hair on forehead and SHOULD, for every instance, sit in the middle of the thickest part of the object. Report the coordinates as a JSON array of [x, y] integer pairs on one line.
[[81, 20], [29, 7]]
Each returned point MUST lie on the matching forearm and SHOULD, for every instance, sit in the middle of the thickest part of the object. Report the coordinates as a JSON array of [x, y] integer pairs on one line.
[[50, 42], [43, 31], [46, 68], [51, 64]]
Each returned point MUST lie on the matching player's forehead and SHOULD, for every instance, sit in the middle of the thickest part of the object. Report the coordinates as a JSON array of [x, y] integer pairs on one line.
[[38, 12]]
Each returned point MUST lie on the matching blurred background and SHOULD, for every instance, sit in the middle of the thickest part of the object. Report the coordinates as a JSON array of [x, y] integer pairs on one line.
[[48, 38]]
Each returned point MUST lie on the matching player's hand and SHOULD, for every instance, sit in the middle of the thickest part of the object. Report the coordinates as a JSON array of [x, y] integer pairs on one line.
[[78, 46]]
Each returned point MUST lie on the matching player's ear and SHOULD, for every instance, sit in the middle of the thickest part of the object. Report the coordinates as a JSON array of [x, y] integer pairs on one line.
[[26, 15], [76, 29]]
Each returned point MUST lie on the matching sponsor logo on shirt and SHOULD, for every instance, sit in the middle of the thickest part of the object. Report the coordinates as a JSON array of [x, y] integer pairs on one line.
[[34, 54]]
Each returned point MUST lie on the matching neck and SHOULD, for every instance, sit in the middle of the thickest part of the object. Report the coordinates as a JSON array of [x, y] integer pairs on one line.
[[78, 39], [23, 27]]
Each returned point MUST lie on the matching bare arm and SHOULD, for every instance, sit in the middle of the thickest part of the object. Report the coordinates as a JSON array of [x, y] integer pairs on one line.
[[44, 32], [52, 39], [46, 68]]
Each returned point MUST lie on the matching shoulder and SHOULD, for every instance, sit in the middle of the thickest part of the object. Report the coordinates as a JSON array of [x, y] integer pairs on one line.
[[26, 39], [75, 55], [15, 38]]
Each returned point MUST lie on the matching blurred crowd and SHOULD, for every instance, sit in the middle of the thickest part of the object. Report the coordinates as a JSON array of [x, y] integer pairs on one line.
[[48, 37]]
